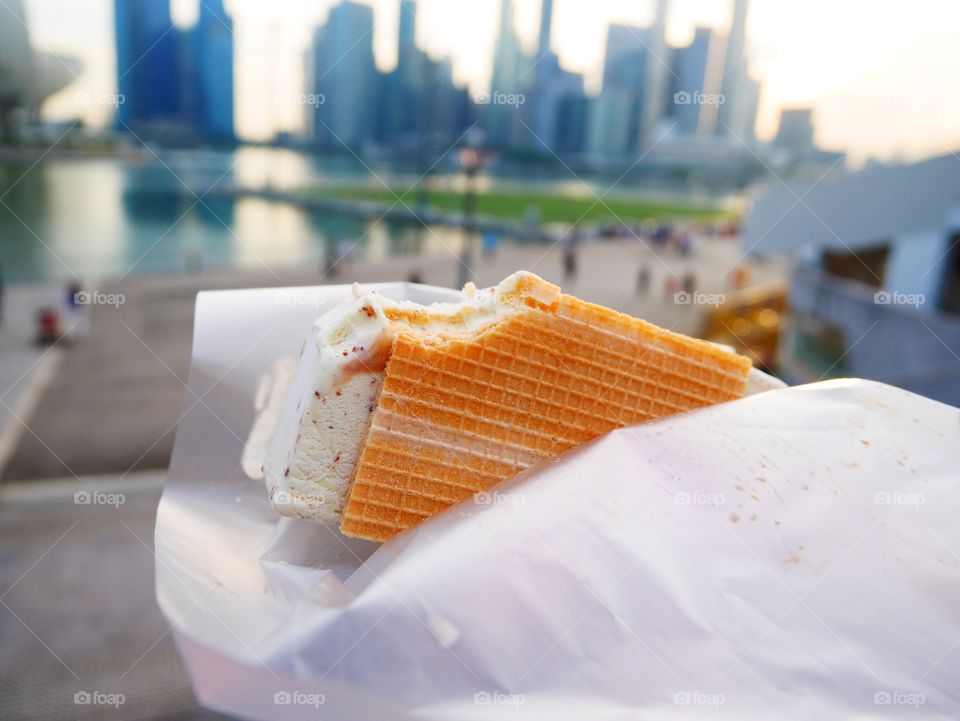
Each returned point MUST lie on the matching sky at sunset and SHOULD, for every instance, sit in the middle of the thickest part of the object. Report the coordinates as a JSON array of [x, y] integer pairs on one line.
[[881, 74]]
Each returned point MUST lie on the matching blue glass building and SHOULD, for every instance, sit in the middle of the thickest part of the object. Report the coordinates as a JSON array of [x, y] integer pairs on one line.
[[148, 63], [344, 78], [212, 71]]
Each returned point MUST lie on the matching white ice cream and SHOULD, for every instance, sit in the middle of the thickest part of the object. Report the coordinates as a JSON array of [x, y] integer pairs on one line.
[[311, 461]]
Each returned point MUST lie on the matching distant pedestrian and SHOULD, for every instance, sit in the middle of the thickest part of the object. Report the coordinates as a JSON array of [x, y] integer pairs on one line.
[[329, 264], [643, 281], [74, 297], [491, 241], [689, 283], [193, 259], [671, 286], [570, 242], [661, 236], [49, 326], [345, 254], [740, 277], [686, 243]]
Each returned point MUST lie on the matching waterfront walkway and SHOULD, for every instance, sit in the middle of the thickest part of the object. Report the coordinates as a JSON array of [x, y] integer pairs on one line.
[[78, 613], [26, 369], [112, 404]]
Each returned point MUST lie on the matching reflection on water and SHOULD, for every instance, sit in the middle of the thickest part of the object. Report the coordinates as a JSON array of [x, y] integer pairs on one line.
[[102, 218], [97, 218]]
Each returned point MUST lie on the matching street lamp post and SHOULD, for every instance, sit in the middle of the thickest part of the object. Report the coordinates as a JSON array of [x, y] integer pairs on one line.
[[470, 163]]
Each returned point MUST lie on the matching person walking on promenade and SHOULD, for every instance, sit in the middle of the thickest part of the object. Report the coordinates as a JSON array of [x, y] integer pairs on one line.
[[491, 241], [570, 242], [643, 281]]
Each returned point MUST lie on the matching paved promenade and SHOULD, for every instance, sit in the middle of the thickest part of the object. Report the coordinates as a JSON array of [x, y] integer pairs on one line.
[[77, 608], [25, 368], [112, 404]]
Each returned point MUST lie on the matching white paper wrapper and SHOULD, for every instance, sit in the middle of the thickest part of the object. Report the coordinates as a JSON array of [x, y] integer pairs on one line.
[[792, 555]]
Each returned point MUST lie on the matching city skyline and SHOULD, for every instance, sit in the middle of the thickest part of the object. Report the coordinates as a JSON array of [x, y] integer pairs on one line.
[[850, 110], [651, 92]]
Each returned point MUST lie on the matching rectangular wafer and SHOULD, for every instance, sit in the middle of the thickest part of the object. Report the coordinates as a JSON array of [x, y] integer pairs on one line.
[[457, 415]]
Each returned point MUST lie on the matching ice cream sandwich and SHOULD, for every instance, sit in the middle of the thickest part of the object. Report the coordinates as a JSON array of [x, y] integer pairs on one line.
[[399, 411]]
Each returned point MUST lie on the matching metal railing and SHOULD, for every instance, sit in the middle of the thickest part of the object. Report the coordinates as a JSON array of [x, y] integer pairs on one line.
[[916, 346]]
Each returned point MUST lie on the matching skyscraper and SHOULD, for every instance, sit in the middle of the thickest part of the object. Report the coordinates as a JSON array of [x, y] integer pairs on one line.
[[625, 60], [416, 108], [609, 127], [553, 87], [733, 116], [502, 119], [404, 97], [546, 26], [572, 117], [657, 70], [615, 114], [751, 104], [213, 71], [407, 36], [444, 107], [542, 108], [737, 38], [344, 77], [149, 70], [690, 86], [795, 133]]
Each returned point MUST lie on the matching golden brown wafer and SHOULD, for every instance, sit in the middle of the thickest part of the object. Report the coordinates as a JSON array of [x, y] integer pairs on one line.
[[458, 415]]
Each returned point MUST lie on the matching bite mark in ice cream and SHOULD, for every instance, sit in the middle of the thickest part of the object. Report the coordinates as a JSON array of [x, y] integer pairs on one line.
[[312, 459]]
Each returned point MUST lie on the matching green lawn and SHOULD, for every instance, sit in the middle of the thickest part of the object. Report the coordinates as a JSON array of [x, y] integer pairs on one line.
[[551, 207]]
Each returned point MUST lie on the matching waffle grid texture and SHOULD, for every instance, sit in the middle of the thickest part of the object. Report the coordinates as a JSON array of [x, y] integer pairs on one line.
[[457, 417]]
